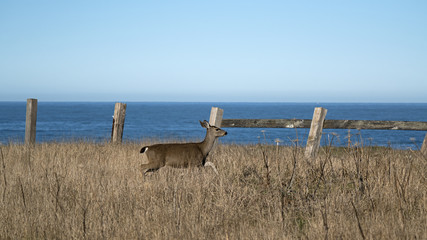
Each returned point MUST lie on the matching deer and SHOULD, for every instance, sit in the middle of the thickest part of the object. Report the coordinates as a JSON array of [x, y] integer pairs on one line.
[[182, 155]]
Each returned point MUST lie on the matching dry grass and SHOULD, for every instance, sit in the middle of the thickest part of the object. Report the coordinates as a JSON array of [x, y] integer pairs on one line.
[[96, 191]]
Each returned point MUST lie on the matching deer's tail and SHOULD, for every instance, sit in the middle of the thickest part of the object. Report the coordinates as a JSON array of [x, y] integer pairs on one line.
[[143, 150]]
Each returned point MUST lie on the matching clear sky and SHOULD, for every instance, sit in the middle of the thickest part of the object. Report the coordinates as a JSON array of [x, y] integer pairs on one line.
[[283, 51]]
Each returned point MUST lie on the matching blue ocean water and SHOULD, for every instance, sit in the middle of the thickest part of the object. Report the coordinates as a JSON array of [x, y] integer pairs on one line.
[[68, 121]]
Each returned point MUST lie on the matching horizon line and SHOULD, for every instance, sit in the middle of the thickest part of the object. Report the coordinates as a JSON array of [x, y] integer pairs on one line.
[[177, 101]]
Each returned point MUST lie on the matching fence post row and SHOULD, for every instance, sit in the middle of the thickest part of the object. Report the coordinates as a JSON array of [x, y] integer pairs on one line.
[[313, 141], [30, 121], [118, 122], [215, 119]]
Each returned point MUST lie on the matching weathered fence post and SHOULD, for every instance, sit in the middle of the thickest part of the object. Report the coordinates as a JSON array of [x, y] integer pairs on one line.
[[30, 122], [118, 122], [424, 146], [216, 116], [313, 141]]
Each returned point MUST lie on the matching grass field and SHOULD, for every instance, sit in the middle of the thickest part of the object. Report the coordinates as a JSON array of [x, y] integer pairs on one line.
[[85, 190]]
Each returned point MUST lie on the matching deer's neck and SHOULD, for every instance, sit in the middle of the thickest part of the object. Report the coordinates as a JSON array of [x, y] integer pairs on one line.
[[207, 144]]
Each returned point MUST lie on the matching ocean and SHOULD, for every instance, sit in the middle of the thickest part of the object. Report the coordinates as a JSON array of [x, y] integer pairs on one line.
[[179, 121]]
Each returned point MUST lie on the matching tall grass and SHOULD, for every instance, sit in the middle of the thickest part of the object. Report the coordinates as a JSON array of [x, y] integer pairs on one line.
[[85, 190]]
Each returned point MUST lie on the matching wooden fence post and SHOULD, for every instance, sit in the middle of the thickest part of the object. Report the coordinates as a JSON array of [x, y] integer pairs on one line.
[[30, 122], [424, 146], [118, 122], [313, 141], [216, 116]]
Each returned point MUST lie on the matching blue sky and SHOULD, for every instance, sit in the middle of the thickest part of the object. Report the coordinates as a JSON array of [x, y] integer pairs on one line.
[[284, 51]]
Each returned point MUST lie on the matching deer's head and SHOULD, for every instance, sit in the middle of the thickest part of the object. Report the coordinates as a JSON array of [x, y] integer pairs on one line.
[[212, 130]]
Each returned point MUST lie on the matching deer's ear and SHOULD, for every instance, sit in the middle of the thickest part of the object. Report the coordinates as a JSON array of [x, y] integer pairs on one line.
[[204, 124], [207, 124]]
